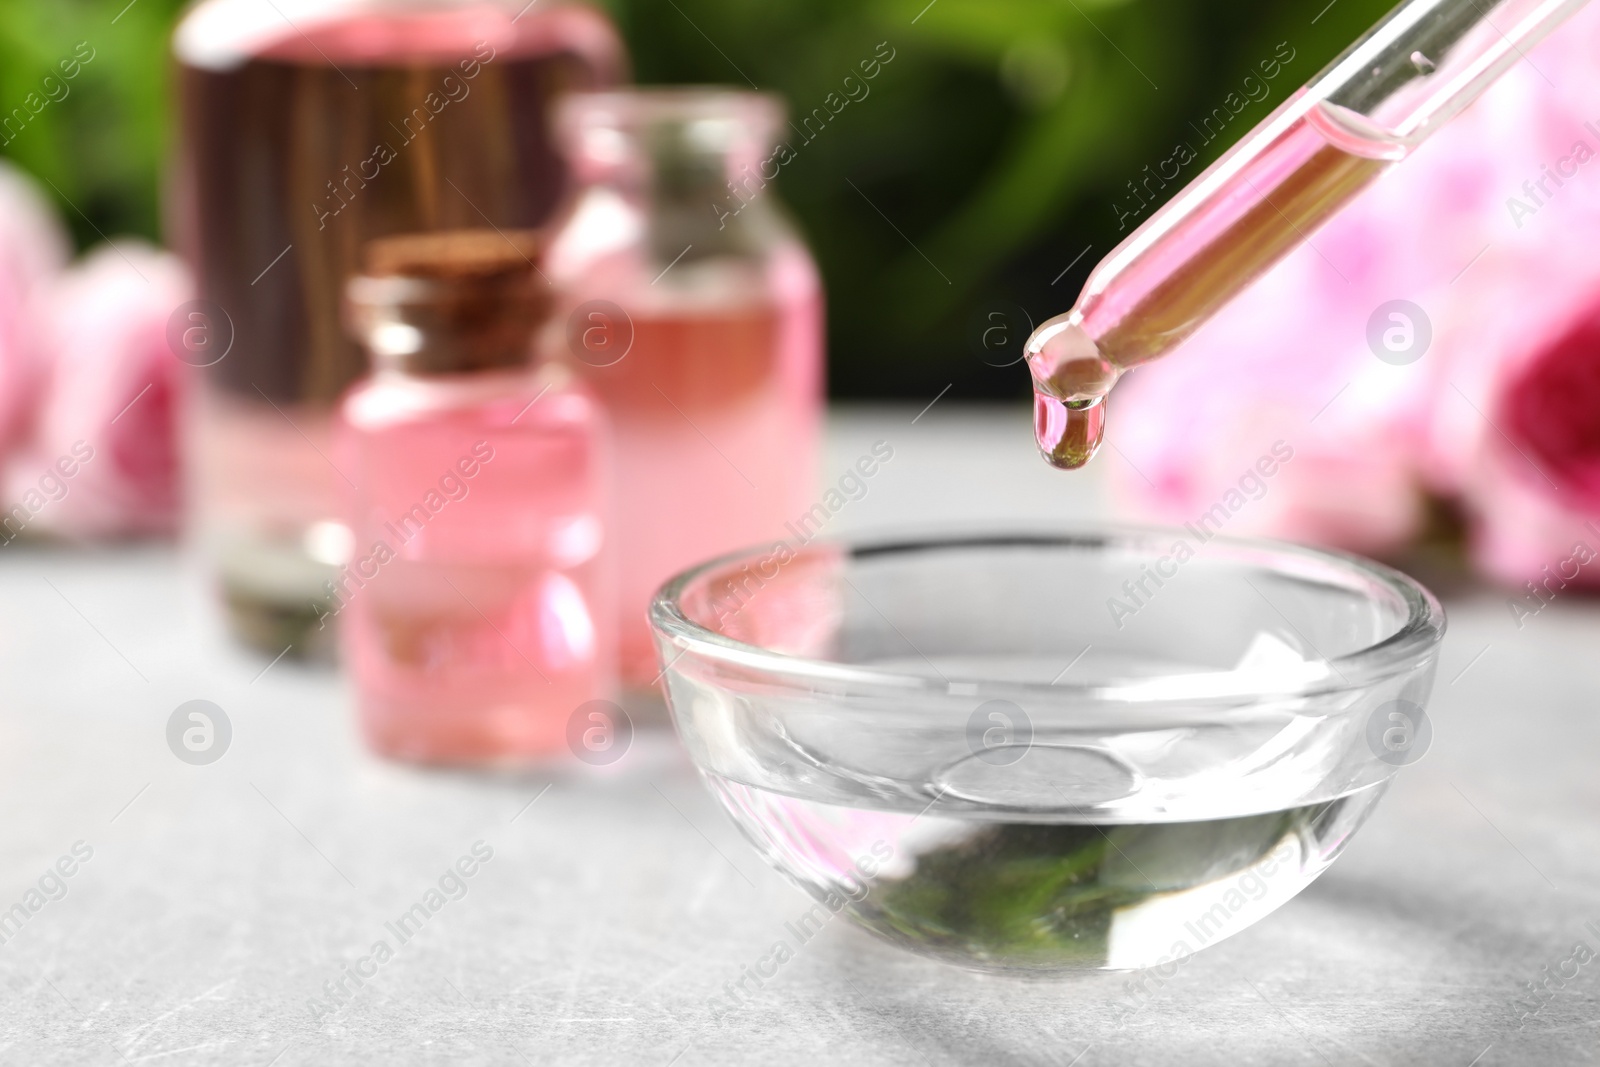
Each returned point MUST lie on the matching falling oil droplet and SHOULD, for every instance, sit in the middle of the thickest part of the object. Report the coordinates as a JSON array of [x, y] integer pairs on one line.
[[1068, 431], [1422, 63]]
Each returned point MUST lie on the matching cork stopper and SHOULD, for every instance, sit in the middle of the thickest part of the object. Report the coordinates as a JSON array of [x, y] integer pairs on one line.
[[455, 254], [450, 302]]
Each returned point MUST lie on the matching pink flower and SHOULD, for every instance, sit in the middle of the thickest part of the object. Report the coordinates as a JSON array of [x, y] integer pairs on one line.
[[1286, 365], [1535, 486], [1515, 429], [104, 455], [33, 249], [1501, 411], [1551, 410]]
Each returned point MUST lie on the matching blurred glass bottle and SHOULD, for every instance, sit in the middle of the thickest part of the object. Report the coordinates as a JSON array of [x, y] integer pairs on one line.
[[694, 310], [477, 610], [307, 127]]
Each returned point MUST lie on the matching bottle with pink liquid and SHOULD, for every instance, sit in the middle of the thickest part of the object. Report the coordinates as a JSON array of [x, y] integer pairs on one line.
[[477, 610], [306, 128], [694, 310]]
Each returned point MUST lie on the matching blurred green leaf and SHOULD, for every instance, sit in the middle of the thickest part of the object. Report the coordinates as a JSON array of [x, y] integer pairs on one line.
[[100, 141], [980, 29]]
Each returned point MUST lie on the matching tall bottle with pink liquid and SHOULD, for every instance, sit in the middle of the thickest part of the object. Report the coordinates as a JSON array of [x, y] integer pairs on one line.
[[305, 129], [693, 309]]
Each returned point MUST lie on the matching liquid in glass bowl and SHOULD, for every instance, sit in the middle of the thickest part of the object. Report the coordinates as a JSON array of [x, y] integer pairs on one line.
[[1022, 753]]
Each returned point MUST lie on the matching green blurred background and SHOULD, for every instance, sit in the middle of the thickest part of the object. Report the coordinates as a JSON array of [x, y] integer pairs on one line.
[[997, 142]]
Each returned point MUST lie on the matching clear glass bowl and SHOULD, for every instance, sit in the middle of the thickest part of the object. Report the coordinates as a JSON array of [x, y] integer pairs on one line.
[[1043, 753]]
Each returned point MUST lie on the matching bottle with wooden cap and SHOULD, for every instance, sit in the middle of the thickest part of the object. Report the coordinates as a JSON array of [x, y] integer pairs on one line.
[[477, 605]]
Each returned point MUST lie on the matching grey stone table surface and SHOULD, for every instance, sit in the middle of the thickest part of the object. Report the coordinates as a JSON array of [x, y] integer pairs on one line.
[[208, 906]]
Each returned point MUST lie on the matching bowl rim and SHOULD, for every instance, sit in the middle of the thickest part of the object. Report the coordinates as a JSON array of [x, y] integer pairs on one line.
[[1401, 651]]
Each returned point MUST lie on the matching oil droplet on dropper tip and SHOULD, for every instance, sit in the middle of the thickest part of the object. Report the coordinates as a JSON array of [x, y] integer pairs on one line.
[[1070, 382], [1068, 431]]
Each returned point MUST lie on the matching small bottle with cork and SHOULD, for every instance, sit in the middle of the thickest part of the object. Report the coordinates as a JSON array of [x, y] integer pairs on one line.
[[477, 604]]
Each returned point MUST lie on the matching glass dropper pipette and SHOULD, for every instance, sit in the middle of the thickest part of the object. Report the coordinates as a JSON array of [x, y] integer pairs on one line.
[[1408, 76]]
